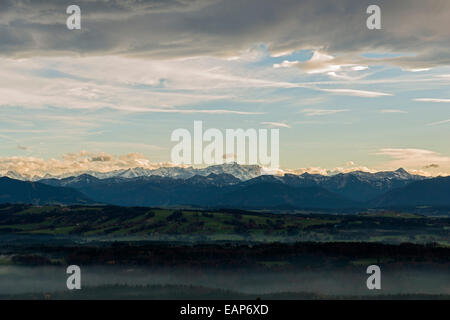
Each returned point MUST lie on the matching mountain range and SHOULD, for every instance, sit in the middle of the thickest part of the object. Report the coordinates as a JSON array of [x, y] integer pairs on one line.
[[235, 186], [16, 191], [242, 172]]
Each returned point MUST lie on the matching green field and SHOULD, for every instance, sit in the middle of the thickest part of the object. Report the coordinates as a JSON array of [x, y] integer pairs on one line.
[[179, 224]]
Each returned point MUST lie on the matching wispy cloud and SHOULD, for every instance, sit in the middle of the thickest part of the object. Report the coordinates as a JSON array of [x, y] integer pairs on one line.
[[286, 64], [414, 158], [357, 93], [276, 124], [292, 26], [322, 112], [392, 111], [323, 63], [192, 111], [439, 122], [325, 171], [436, 100], [418, 70], [301, 55]]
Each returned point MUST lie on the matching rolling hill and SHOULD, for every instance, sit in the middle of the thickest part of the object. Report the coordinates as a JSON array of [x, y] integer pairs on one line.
[[430, 192], [15, 191]]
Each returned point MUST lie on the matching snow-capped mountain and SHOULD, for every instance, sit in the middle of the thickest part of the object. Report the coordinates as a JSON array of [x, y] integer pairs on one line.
[[355, 182], [357, 185], [399, 174], [242, 172], [15, 175], [304, 191]]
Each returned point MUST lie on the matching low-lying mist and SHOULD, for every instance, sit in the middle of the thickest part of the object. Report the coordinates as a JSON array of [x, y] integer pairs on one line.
[[46, 279]]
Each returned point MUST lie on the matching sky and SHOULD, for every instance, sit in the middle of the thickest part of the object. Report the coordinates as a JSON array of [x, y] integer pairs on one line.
[[109, 96]]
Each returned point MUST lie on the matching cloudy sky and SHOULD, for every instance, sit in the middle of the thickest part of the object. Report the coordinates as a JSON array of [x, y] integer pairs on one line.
[[108, 96]]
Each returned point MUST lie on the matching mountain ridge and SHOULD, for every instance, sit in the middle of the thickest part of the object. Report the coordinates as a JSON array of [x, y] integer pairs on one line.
[[217, 187], [16, 191], [242, 172]]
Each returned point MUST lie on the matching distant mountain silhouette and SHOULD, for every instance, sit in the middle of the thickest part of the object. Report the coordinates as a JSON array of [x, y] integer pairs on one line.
[[430, 192], [150, 190], [306, 191], [15, 191], [266, 194], [357, 186], [214, 190], [242, 172]]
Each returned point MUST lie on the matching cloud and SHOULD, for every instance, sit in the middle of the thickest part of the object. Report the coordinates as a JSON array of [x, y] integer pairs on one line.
[[138, 85], [84, 161], [276, 124], [319, 63], [357, 93], [359, 68], [102, 158], [191, 111], [414, 158], [132, 85], [439, 122], [436, 100], [229, 156], [179, 28], [207, 57], [418, 70], [286, 64], [22, 148], [392, 111], [324, 171], [73, 163], [322, 112], [322, 63]]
